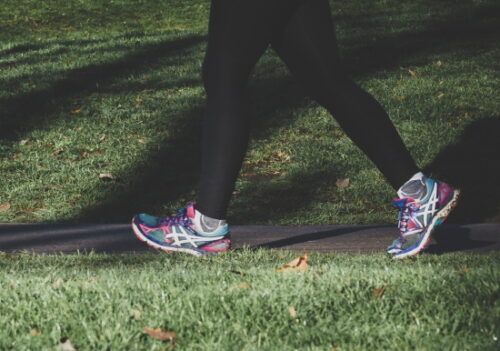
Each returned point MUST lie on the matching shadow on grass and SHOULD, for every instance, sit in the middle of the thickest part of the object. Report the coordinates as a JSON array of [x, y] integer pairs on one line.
[[472, 164], [155, 181], [167, 175], [478, 25], [264, 200], [451, 238], [25, 112]]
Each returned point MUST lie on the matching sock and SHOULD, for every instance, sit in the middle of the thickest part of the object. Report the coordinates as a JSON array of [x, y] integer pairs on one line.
[[415, 187], [205, 225]]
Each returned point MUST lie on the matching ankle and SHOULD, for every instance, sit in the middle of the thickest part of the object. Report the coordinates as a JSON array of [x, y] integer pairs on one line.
[[206, 225]]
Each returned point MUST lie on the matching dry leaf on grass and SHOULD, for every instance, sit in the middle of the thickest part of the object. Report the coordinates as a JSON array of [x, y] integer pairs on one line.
[[135, 314], [24, 142], [75, 110], [440, 95], [298, 264], [242, 285], [342, 183], [463, 270], [65, 345], [34, 332], [4, 207], [102, 137], [58, 151], [413, 74], [378, 292], [159, 334], [58, 283], [292, 312], [106, 176]]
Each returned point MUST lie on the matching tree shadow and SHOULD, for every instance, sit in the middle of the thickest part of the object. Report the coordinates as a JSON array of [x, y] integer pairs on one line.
[[478, 25], [167, 175], [171, 174], [158, 183], [22, 113], [472, 164]]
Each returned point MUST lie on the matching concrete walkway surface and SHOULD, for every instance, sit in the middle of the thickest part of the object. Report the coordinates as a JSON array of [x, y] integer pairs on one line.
[[116, 238]]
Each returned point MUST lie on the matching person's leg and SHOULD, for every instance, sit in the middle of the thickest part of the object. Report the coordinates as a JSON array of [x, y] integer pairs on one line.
[[239, 33], [307, 45]]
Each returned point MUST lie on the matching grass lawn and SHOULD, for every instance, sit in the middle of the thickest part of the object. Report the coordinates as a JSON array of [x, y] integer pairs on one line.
[[92, 87], [238, 301]]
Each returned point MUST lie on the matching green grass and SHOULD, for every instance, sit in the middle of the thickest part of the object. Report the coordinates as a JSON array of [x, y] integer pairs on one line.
[[238, 301], [90, 87]]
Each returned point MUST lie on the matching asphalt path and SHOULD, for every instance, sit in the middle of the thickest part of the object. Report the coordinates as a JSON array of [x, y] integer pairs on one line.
[[118, 238]]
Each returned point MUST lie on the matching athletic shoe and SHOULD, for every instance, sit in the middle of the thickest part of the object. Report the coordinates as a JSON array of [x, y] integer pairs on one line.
[[423, 204], [186, 231]]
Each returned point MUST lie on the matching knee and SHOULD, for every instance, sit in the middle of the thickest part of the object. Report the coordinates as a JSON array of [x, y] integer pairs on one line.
[[223, 74]]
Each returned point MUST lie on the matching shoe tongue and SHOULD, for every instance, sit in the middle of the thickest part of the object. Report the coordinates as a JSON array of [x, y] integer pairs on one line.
[[414, 188], [190, 211], [400, 202]]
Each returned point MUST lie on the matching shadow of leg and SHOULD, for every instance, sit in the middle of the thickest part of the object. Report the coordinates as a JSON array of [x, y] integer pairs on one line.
[[472, 164]]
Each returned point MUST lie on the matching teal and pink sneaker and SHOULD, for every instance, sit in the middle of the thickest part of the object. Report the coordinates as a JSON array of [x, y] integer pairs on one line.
[[185, 231], [423, 204]]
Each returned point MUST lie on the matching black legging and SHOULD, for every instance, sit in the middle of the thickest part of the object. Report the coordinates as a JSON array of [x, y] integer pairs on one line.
[[302, 34]]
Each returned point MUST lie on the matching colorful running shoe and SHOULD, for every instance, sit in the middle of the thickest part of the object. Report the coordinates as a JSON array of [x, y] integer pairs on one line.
[[186, 231], [423, 204]]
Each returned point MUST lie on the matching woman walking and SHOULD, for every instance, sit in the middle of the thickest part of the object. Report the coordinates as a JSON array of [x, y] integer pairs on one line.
[[302, 34]]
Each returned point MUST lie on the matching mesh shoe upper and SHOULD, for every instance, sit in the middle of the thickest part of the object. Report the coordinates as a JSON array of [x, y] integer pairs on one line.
[[179, 231], [419, 201]]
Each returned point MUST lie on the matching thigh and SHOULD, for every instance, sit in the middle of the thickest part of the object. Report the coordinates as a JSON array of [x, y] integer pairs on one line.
[[239, 32], [308, 46]]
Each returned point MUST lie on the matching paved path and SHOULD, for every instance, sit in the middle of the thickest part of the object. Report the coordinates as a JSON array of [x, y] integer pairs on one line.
[[51, 238]]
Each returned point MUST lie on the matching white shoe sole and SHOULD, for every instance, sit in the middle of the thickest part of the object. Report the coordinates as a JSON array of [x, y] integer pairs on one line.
[[169, 249]]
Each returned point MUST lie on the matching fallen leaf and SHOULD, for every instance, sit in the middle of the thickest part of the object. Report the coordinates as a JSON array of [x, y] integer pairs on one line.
[[440, 95], [463, 270], [58, 151], [439, 63], [135, 314], [102, 137], [292, 312], [106, 176], [65, 345], [282, 156], [159, 334], [57, 283], [34, 332], [141, 141], [242, 285], [75, 110], [237, 272], [4, 207], [378, 292], [342, 183], [412, 73], [24, 142], [298, 264]]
